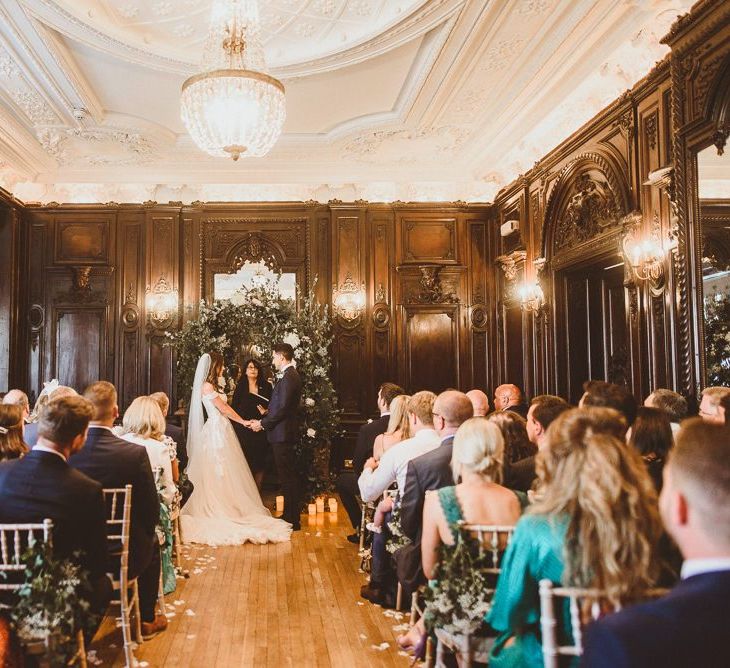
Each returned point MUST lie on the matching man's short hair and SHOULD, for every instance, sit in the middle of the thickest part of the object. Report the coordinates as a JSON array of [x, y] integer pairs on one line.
[[670, 402], [609, 395], [285, 350], [421, 405], [547, 407], [62, 420], [17, 398], [389, 391], [700, 469], [716, 394], [162, 400], [103, 396], [455, 407]]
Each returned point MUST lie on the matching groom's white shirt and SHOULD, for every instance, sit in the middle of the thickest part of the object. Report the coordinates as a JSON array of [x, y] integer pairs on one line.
[[393, 464]]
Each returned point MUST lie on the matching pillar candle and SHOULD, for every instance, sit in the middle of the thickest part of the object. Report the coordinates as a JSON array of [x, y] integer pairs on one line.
[[320, 505], [279, 504], [333, 506], [312, 509]]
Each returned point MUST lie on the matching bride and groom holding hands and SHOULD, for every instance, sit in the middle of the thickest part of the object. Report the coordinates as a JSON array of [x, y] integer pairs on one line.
[[225, 507]]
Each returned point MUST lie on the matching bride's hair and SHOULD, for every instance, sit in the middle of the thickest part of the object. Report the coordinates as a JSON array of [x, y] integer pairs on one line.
[[216, 368]]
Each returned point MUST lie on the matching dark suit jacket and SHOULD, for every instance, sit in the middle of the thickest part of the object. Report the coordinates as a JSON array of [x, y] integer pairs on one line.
[[30, 433], [520, 409], [41, 485], [365, 441], [687, 628], [176, 434], [282, 421], [115, 462], [429, 471], [521, 474]]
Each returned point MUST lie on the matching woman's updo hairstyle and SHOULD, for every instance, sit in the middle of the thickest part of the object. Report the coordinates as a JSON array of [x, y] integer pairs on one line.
[[478, 448]]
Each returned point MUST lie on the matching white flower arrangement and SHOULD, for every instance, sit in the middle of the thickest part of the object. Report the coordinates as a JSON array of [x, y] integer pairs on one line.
[[311, 433], [309, 402], [292, 339]]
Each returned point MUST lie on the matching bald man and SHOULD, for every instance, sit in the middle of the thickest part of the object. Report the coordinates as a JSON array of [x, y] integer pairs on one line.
[[508, 397], [18, 398], [479, 401]]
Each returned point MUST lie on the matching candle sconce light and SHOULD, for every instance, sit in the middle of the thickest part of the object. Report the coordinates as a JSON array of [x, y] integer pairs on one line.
[[531, 296], [161, 303], [349, 301]]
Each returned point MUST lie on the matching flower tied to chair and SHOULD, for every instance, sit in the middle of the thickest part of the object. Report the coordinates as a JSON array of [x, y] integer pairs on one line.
[[3, 430]]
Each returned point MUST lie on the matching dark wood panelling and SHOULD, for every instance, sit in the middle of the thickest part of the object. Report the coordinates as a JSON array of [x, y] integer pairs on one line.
[[84, 242], [10, 295], [428, 239], [431, 342], [74, 363]]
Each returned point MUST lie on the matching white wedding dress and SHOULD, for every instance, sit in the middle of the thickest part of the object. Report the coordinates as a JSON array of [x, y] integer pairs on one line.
[[225, 507]]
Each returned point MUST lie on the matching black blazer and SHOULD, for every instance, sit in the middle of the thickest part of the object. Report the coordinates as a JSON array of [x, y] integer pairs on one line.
[[40, 486], [521, 474], [431, 470], [282, 421], [365, 441], [687, 628], [115, 462], [176, 434]]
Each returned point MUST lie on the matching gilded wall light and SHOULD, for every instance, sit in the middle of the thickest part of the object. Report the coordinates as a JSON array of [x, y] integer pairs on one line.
[[161, 303], [349, 300], [645, 256], [531, 296]]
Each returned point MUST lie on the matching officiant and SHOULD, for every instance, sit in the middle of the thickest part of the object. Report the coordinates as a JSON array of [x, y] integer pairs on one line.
[[251, 401]]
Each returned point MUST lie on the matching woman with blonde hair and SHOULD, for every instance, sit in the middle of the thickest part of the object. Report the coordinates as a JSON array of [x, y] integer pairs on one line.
[[12, 445], [595, 525], [144, 424], [399, 428]]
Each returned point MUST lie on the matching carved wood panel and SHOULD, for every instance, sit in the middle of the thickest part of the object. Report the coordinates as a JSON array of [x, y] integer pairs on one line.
[[86, 242], [428, 239]]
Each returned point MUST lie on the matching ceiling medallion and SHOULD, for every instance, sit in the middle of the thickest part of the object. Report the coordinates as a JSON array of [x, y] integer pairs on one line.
[[232, 107]]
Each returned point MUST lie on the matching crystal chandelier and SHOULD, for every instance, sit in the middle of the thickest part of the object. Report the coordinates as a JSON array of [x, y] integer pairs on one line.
[[232, 107]]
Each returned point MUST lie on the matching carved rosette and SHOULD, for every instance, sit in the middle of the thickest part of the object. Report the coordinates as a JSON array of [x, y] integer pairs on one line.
[[430, 288]]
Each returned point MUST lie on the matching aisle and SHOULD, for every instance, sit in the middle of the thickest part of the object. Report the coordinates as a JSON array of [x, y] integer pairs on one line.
[[273, 605]]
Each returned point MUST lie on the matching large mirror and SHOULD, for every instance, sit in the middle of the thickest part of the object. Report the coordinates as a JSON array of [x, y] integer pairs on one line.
[[249, 276], [714, 192]]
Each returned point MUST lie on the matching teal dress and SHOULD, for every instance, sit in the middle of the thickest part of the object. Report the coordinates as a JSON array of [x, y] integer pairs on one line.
[[535, 553]]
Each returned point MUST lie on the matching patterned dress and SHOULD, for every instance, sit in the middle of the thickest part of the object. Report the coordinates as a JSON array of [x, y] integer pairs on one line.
[[535, 553]]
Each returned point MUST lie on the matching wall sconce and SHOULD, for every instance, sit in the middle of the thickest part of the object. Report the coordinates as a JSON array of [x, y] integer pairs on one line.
[[349, 300], [644, 256], [531, 296], [161, 303]]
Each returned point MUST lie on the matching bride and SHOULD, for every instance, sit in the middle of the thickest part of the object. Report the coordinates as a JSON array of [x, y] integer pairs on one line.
[[225, 507]]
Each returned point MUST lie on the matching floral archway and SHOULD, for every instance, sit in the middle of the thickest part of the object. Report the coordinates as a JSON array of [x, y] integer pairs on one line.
[[248, 324]]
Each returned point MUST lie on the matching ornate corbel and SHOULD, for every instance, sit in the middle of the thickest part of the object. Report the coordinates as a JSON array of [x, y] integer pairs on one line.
[[508, 263]]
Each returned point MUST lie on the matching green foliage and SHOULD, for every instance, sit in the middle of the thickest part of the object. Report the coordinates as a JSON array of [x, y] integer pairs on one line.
[[717, 338], [52, 603], [459, 598], [248, 325]]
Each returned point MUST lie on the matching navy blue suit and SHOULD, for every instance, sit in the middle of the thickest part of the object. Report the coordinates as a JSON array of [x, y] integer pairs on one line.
[[281, 424], [41, 485], [688, 628]]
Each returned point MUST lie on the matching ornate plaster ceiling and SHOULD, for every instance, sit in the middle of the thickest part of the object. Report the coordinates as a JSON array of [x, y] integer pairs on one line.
[[396, 99]]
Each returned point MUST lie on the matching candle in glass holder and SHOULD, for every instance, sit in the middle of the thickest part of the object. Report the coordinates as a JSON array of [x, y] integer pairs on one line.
[[320, 504], [333, 504], [279, 504], [312, 509]]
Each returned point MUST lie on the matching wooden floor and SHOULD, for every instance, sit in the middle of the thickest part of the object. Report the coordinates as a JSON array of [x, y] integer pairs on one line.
[[277, 605]]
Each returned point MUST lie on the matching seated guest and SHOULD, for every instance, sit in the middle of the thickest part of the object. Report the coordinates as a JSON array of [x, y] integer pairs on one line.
[[346, 483], [672, 403], [477, 498], [651, 436], [544, 408], [18, 398], [517, 445], [712, 407], [596, 525], [42, 485], [114, 462], [609, 395], [399, 428], [689, 626], [144, 425], [508, 397], [427, 472], [479, 401], [12, 445], [172, 430], [379, 476], [50, 392]]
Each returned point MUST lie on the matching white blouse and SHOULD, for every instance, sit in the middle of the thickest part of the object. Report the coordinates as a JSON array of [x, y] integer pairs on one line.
[[159, 455]]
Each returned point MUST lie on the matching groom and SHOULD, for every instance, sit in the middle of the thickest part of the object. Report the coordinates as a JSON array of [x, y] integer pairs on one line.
[[281, 425]]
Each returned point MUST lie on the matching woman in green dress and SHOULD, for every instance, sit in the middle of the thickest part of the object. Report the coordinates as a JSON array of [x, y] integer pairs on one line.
[[596, 524]]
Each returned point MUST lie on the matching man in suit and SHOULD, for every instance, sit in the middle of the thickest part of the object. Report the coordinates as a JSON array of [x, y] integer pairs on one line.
[[508, 397], [346, 483], [480, 402], [427, 472], [281, 425], [42, 485], [672, 403], [115, 462], [609, 395], [544, 408], [689, 626]]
